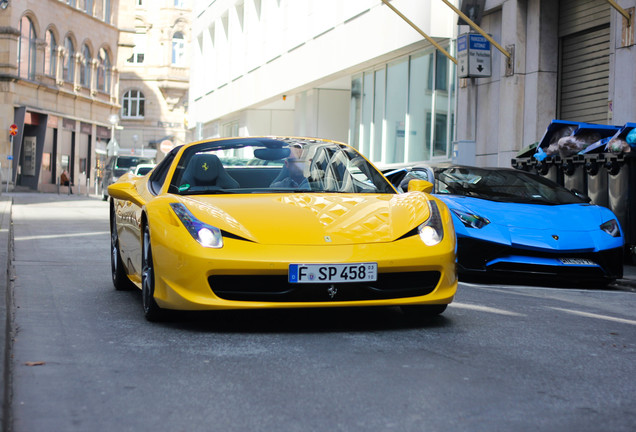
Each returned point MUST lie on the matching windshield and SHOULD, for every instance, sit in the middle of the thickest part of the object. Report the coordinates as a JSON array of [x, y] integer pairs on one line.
[[502, 185], [274, 165]]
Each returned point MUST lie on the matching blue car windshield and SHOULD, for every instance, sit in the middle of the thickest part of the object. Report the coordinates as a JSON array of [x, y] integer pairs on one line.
[[504, 185], [274, 165]]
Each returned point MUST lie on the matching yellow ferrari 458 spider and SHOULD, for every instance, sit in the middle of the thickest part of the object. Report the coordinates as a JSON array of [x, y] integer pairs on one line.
[[248, 223]]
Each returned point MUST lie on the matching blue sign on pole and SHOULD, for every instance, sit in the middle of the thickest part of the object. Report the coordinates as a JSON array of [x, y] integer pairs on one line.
[[473, 56]]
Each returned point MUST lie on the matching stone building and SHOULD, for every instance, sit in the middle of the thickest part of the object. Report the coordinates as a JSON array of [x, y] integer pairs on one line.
[[154, 73], [59, 85]]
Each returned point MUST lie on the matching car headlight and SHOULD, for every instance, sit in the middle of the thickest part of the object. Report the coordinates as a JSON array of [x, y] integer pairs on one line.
[[207, 235], [471, 220], [432, 231], [611, 227]]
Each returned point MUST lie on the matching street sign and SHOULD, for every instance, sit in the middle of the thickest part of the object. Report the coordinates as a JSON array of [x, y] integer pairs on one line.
[[13, 130], [166, 146], [473, 56]]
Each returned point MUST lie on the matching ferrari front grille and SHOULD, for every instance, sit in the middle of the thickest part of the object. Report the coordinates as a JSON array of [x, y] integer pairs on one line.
[[278, 289]]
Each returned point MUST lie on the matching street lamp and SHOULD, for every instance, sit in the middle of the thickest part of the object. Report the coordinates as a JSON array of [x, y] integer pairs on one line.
[[112, 147]]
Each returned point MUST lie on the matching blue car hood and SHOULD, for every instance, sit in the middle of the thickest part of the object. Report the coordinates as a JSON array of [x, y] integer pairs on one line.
[[573, 227], [569, 217]]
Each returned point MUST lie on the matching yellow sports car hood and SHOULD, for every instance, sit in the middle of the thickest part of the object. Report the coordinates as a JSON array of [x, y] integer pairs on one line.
[[312, 218]]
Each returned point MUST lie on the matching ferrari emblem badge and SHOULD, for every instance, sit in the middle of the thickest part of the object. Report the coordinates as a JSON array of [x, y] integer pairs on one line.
[[332, 291], [328, 239], [554, 236], [204, 166]]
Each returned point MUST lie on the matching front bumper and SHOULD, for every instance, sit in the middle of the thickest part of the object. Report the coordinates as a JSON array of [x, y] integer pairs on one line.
[[478, 257], [247, 275]]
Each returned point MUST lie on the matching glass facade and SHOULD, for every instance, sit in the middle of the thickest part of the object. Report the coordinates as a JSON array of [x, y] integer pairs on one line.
[[404, 110]]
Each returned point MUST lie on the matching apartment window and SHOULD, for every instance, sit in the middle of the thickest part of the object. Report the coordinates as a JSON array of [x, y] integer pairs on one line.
[[133, 104], [26, 49], [103, 71], [71, 2], [107, 11], [139, 50], [69, 60], [50, 54], [85, 67], [178, 3], [178, 49]]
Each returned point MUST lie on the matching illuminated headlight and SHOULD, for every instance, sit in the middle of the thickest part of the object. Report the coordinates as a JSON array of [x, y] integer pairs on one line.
[[611, 227], [207, 235], [432, 231], [471, 220]]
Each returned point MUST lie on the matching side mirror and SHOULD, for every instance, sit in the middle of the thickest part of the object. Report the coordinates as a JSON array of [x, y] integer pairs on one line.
[[126, 190], [420, 186]]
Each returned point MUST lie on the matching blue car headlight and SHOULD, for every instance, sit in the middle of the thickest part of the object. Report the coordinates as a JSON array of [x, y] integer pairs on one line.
[[207, 235], [471, 220], [611, 227], [432, 231]]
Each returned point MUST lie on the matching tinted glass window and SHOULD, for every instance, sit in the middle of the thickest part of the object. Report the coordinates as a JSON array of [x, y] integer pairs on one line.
[[158, 176], [502, 185]]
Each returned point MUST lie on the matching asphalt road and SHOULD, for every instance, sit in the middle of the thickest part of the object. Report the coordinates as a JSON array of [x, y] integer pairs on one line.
[[501, 358]]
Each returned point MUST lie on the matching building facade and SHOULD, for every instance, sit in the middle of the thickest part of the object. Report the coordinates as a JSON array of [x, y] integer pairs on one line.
[[354, 71], [59, 85], [351, 71], [154, 74]]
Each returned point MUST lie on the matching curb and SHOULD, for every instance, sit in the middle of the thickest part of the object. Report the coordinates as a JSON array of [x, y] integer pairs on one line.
[[6, 307]]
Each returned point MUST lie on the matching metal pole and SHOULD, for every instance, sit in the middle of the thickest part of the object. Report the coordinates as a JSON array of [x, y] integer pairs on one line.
[[621, 11], [427, 37]]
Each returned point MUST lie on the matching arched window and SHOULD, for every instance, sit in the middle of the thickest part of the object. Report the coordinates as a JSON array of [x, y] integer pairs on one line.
[[50, 54], [178, 49], [132, 104], [26, 49], [85, 67], [69, 60], [103, 71]]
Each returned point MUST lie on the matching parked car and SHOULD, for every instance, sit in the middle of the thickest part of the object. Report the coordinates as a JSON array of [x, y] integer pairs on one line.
[[143, 169], [119, 165], [319, 226], [510, 222]]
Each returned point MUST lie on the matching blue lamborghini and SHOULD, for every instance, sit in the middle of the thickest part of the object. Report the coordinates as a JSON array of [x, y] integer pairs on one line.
[[514, 223]]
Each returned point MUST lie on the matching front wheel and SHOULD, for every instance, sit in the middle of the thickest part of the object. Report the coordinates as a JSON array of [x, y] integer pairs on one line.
[[152, 311]]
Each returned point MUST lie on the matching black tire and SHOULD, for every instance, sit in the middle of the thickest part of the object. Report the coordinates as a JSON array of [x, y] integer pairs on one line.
[[118, 273], [152, 311], [422, 313]]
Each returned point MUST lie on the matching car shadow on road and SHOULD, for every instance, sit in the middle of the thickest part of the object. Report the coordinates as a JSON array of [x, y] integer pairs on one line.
[[310, 320]]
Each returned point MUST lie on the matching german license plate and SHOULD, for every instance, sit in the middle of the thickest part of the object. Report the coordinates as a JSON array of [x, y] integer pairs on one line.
[[577, 261], [333, 273]]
